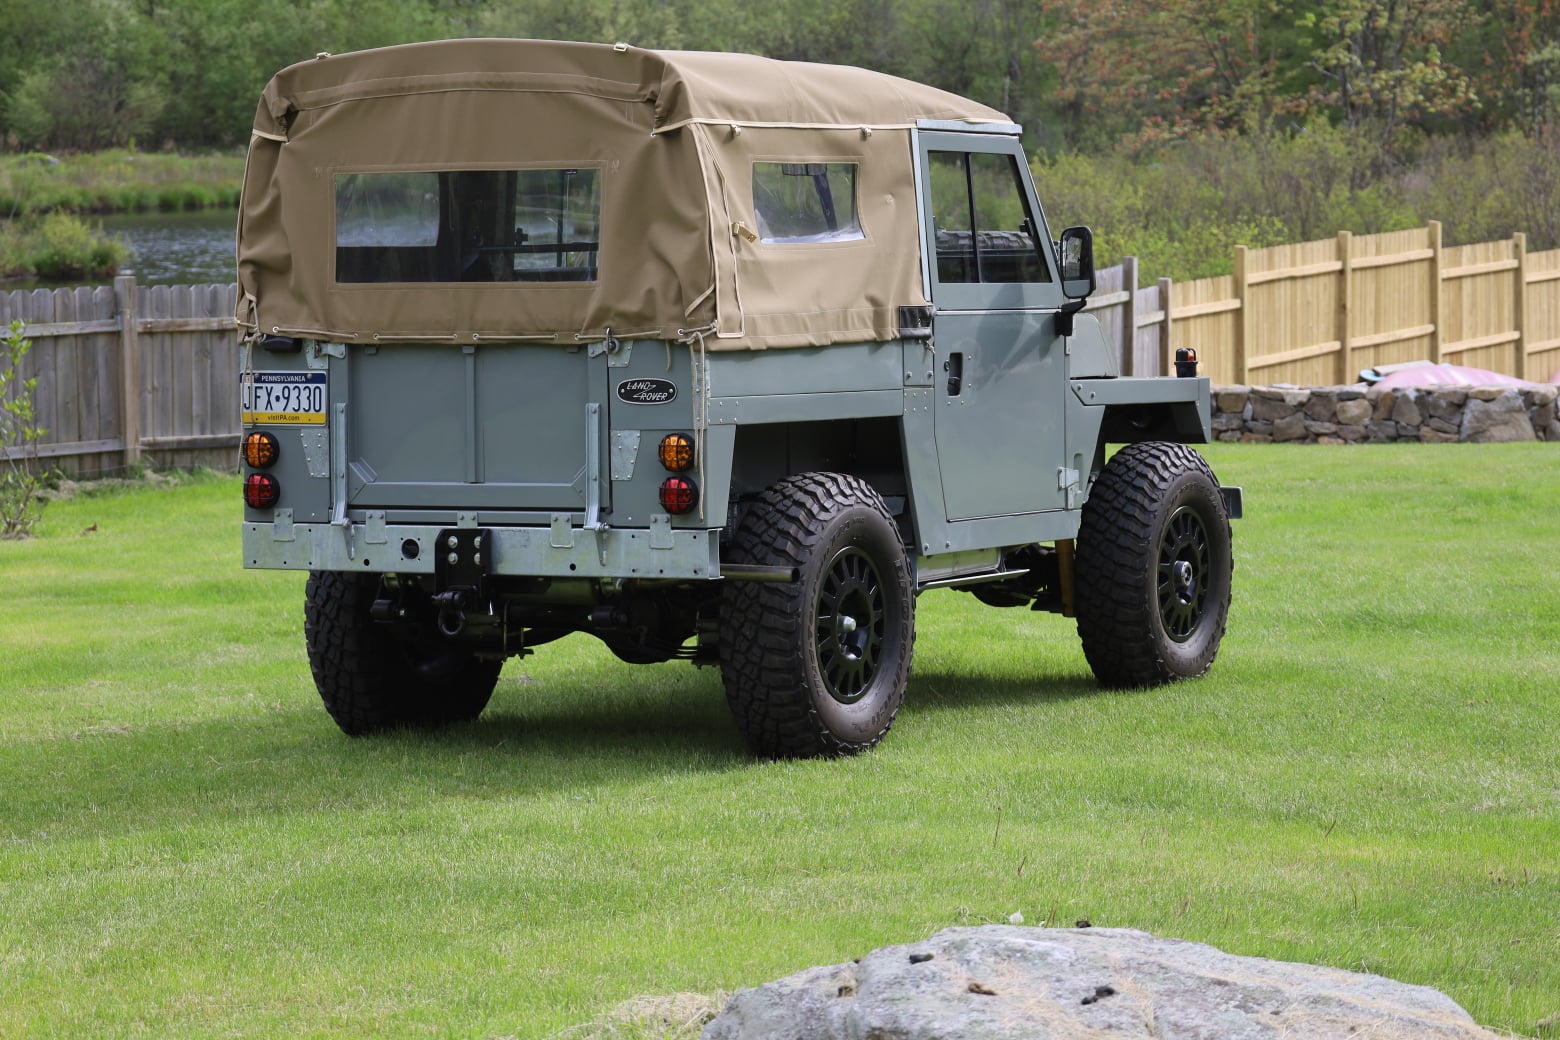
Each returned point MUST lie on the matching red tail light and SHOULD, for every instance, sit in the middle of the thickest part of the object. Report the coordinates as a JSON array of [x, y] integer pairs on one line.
[[679, 495], [261, 491]]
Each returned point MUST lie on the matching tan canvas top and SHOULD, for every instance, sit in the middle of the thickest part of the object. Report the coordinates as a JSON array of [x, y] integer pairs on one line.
[[666, 146]]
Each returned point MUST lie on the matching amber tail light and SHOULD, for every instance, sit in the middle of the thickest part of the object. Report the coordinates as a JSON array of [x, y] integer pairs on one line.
[[676, 452], [261, 449]]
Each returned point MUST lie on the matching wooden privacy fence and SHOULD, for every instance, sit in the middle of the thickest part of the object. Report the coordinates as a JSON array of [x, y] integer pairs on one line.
[[1316, 313], [129, 374]]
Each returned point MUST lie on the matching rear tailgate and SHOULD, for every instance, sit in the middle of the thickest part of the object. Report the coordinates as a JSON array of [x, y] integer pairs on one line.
[[477, 427]]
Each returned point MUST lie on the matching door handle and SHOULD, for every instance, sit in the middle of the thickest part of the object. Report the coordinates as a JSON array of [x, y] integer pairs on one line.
[[954, 366]]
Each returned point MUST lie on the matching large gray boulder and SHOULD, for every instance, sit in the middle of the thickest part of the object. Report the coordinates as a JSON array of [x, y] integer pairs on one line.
[[1014, 983]]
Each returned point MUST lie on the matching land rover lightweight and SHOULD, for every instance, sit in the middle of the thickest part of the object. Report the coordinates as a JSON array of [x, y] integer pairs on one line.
[[709, 356]]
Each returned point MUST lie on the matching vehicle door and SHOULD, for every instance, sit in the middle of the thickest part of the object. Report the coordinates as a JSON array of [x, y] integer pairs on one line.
[[1001, 368]]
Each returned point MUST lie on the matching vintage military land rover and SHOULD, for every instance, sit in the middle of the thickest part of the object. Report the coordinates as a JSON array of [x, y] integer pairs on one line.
[[709, 356]]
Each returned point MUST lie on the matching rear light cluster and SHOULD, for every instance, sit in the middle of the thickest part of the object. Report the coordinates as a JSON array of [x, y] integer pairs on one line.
[[679, 495], [260, 451]]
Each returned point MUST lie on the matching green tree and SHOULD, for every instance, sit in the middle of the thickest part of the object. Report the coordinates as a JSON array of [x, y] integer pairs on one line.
[[1380, 63], [100, 86], [1168, 69]]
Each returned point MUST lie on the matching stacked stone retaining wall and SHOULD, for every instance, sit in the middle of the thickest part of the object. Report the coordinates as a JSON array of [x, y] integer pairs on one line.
[[1357, 415]]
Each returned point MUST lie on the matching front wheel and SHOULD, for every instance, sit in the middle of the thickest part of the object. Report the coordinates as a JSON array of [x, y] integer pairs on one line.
[[1153, 567], [818, 666], [372, 679]]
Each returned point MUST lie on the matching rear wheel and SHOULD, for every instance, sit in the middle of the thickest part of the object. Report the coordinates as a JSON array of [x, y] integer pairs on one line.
[[1153, 567], [370, 678], [818, 666]]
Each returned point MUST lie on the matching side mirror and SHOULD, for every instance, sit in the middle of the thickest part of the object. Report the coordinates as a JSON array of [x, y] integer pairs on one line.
[[1076, 254]]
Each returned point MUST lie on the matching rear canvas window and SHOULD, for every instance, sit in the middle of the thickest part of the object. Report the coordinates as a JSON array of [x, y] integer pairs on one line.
[[468, 226], [806, 202]]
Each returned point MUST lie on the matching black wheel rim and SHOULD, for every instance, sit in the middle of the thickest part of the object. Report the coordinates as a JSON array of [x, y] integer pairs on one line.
[[851, 625], [1185, 560]]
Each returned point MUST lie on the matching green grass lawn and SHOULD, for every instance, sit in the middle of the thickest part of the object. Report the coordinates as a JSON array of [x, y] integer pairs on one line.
[[1369, 778]]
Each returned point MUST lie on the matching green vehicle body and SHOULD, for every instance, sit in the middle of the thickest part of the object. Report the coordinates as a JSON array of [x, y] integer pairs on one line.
[[461, 504]]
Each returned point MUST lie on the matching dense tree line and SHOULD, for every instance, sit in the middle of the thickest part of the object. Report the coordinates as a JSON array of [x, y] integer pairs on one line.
[[81, 74], [1175, 127]]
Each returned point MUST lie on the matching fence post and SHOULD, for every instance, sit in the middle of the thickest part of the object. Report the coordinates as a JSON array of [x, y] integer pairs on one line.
[[1519, 300], [1345, 305], [1129, 277], [1242, 318], [129, 366], [1166, 352], [1437, 319]]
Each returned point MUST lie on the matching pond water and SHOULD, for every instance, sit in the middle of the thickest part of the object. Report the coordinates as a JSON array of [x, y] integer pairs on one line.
[[193, 248]]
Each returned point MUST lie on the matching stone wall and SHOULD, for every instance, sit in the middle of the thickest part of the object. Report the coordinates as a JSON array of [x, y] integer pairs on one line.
[[1357, 415]]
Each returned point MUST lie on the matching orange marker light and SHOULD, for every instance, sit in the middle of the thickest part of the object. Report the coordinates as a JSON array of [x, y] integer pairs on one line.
[[676, 452], [261, 449]]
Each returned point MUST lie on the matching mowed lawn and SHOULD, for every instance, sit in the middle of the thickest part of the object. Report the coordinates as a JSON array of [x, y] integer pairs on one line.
[[1369, 778]]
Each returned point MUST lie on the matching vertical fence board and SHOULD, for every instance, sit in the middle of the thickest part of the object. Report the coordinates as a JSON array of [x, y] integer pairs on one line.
[[39, 307], [1211, 333], [99, 305], [1149, 311], [67, 372], [183, 367], [1541, 323], [1390, 296], [1478, 307], [1109, 281]]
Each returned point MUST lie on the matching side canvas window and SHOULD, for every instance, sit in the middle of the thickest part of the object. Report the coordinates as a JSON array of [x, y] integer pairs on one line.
[[806, 202], [985, 232], [468, 226]]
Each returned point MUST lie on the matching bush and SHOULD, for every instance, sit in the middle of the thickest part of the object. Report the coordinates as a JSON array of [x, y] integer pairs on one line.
[[21, 476], [59, 247]]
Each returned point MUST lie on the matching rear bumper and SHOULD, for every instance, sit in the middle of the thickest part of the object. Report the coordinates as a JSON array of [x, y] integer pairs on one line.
[[654, 553]]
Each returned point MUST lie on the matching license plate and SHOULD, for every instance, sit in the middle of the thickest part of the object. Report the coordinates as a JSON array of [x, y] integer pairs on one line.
[[284, 398]]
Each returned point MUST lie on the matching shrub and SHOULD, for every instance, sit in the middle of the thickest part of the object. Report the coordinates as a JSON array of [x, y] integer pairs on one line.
[[21, 476], [60, 247]]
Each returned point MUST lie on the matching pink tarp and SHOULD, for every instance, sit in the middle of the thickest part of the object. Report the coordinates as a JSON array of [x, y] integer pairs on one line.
[[1447, 375]]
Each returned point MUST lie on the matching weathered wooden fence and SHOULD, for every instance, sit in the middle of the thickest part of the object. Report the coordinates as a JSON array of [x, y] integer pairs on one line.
[[129, 374], [1123, 306]]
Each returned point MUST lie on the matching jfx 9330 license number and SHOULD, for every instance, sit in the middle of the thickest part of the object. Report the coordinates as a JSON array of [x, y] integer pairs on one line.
[[284, 398]]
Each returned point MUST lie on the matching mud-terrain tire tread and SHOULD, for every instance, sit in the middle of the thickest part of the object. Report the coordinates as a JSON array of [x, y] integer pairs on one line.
[[767, 630], [368, 680], [1117, 556]]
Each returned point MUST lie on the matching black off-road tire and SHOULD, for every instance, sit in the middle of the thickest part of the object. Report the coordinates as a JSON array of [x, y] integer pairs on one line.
[[369, 679], [817, 667], [1153, 567]]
